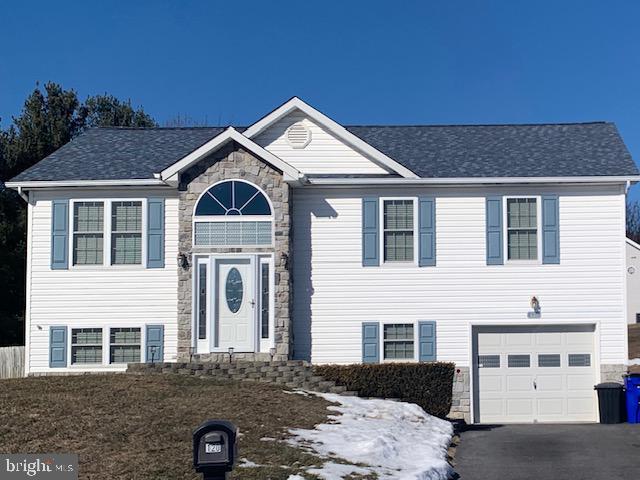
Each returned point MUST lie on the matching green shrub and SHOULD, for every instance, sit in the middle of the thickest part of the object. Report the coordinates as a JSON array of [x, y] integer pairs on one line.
[[427, 384]]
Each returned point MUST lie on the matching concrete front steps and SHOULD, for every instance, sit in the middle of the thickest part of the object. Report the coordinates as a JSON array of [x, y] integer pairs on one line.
[[291, 374]]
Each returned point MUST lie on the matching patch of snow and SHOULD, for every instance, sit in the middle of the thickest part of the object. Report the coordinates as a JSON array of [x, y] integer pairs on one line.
[[245, 463], [395, 440], [267, 439], [332, 471], [633, 361], [295, 477]]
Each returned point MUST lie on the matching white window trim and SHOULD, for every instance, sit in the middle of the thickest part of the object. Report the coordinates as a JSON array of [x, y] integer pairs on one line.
[[106, 234], [207, 345], [232, 218], [266, 343], [415, 342], [70, 347], [505, 231], [106, 345], [142, 344], [416, 255]]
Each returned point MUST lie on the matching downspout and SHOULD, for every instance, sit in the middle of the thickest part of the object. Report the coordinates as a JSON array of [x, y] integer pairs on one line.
[[25, 196]]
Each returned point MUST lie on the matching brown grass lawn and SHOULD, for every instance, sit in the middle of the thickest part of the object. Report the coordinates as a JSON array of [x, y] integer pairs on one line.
[[139, 427]]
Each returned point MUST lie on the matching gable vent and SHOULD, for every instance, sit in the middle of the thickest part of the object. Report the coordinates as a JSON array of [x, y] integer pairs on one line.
[[298, 135]]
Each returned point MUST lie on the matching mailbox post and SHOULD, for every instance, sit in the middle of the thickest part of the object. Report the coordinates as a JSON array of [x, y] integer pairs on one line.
[[215, 449]]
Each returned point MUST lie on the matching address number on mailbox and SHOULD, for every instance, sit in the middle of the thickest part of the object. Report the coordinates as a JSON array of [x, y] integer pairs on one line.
[[213, 448]]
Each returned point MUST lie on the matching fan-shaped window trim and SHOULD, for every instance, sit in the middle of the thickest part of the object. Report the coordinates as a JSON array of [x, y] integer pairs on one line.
[[233, 213]]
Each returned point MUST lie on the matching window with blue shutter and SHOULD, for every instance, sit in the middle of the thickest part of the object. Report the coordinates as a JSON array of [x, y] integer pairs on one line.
[[370, 342], [60, 235], [155, 343], [427, 341], [495, 255], [427, 231], [57, 347], [155, 233], [370, 232], [550, 229]]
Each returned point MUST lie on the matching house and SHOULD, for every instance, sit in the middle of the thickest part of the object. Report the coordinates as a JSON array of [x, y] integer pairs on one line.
[[498, 247], [633, 281]]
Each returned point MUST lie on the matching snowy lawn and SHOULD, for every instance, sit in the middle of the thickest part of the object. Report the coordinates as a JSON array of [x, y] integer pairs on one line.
[[381, 439]]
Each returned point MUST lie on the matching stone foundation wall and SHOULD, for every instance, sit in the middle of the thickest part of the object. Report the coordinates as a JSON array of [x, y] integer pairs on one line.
[[233, 162], [612, 373], [461, 402]]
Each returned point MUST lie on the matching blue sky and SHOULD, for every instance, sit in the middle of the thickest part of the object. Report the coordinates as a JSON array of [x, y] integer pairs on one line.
[[360, 62]]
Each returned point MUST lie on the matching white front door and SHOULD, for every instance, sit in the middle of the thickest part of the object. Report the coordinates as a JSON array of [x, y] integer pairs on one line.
[[235, 304], [535, 374]]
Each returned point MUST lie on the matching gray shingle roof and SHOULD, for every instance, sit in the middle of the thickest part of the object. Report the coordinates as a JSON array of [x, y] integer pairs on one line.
[[545, 150]]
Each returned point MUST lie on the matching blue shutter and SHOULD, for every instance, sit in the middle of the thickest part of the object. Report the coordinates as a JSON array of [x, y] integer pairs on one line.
[[155, 343], [370, 342], [495, 255], [57, 347], [370, 233], [550, 229], [155, 233], [427, 341], [427, 231], [60, 235]]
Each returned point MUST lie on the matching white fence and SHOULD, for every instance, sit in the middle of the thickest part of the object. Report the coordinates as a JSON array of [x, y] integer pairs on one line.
[[11, 362]]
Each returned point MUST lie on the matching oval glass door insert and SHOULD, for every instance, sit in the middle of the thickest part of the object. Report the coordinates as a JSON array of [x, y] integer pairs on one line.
[[234, 290]]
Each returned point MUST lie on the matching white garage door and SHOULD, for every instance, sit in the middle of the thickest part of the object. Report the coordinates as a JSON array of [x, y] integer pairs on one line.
[[535, 374]]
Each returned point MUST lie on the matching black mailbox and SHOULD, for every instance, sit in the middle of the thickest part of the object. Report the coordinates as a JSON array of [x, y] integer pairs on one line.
[[215, 448]]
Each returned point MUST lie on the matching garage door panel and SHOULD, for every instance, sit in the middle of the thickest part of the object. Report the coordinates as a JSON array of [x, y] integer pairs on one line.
[[519, 407], [519, 383], [549, 339], [518, 339], [534, 381], [550, 383], [581, 406], [489, 340], [492, 384], [552, 406], [580, 382]]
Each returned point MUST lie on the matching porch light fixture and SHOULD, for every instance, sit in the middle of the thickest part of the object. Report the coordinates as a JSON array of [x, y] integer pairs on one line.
[[183, 261], [272, 352], [230, 354], [535, 304]]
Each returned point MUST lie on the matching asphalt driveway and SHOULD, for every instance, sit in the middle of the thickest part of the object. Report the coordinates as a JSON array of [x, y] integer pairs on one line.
[[553, 452]]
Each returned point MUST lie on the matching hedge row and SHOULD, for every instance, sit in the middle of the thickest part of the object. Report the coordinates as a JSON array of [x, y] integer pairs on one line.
[[427, 384]]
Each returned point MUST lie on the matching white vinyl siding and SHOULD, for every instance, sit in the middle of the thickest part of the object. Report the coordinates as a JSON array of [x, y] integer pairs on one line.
[[325, 154], [334, 294], [102, 296]]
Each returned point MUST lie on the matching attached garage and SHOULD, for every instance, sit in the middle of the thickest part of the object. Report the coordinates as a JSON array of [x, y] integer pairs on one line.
[[534, 374]]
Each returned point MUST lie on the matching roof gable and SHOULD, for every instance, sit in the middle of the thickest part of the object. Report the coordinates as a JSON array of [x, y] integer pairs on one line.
[[324, 152], [330, 125]]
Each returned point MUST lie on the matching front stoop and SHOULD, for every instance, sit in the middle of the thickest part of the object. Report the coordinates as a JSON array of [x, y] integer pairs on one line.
[[291, 374]]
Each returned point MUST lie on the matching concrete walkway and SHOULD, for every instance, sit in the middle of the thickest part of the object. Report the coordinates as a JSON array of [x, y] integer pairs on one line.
[[553, 452]]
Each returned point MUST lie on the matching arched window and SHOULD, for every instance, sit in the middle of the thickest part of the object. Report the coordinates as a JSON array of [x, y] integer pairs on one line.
[[233, 213]]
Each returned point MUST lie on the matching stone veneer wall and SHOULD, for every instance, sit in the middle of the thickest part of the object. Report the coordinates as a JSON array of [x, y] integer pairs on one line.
[[612, 373], [232, 162], [461, 402]]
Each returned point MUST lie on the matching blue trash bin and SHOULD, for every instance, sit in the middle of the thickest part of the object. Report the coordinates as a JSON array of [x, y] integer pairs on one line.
[[632, 384]]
